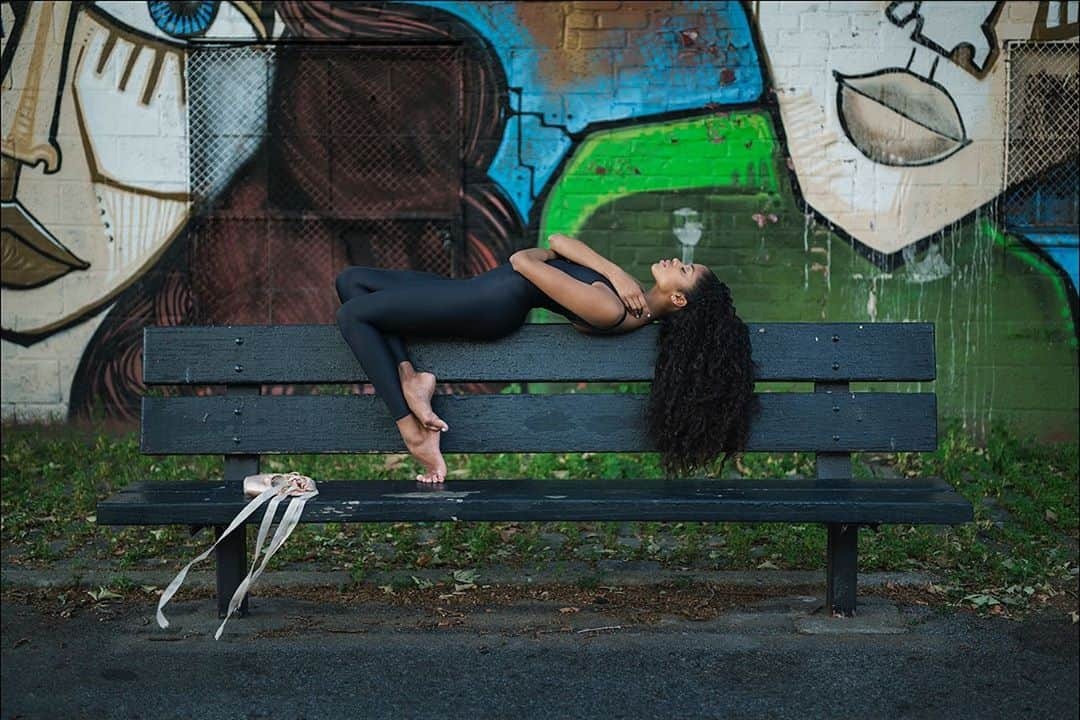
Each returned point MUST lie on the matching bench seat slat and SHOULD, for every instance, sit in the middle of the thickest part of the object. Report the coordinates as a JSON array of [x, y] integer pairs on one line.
[[806, 500], [332, 487], [546, 352], [829, 422]]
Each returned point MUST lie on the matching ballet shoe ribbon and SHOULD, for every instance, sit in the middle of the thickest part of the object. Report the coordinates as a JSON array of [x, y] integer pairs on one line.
[[268, 488]]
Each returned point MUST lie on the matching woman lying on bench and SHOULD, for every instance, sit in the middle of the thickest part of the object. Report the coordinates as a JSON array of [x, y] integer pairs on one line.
[[701, 399]]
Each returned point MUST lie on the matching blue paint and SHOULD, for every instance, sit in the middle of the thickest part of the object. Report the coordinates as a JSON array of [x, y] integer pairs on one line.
[[1062, 249], [722, 68], [541, 150], [184, 21], [1046, 204]]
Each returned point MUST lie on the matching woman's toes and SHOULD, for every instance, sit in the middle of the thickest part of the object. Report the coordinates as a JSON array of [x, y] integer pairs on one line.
[[435, 424]]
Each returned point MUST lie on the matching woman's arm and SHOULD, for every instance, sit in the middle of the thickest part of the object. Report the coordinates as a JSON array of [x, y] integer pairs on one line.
[[577, 251], [626, 287], [537, 253], [595, 305]]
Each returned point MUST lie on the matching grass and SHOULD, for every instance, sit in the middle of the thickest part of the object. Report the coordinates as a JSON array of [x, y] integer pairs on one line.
[[1020, 552]]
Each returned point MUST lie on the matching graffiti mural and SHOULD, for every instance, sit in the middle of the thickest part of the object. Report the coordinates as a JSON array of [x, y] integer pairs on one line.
[[94, 158], [900, 131], [842, 161], [95, 152]]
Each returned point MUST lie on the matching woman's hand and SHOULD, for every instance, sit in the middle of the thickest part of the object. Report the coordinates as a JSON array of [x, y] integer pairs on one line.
[[629, 291]]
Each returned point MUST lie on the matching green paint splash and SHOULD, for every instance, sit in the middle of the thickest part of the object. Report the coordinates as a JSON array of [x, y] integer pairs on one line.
[[730, 151], [1016, 248]]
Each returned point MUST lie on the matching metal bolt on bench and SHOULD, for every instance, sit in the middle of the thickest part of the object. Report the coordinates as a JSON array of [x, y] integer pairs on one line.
[[831, 421]]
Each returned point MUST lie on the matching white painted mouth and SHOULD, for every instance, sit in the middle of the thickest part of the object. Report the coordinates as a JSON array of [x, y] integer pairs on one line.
[[895, 117]]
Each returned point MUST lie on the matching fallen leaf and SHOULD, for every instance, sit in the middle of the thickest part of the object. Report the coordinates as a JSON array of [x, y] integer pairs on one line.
[[466, 576], [104, 593]]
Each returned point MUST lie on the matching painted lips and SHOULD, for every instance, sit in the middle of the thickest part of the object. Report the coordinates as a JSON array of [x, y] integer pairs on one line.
[[895, 117], [31, 255]]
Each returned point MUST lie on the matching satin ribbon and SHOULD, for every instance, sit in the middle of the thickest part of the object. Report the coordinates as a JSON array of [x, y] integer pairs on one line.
[[278, 486]]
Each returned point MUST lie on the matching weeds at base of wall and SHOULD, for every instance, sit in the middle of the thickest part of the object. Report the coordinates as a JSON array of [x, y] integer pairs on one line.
[[1020, 552]]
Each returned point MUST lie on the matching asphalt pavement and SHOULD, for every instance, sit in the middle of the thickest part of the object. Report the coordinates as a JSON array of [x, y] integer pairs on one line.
[[776, 654]]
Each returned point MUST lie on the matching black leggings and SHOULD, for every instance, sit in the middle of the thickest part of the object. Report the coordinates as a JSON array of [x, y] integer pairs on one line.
[[409, 302]]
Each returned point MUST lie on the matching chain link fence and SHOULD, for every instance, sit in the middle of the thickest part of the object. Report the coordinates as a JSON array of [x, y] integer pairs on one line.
[[1043, 127], [362, 143], [308, 158]]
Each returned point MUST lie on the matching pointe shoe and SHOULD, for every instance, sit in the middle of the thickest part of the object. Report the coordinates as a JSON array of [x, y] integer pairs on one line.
[[291, 483]]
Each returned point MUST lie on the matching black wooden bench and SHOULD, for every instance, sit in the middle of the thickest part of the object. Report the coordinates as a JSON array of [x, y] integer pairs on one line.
[[831, 421]]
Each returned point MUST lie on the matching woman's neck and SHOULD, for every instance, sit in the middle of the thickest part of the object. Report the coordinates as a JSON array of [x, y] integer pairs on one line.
[[659, 302]]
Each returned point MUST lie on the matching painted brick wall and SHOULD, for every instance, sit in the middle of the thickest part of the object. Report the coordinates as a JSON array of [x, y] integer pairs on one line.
[[830, 161]]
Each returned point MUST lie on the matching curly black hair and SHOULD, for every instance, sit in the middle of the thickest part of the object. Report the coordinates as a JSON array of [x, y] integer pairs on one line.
[[702, 400]]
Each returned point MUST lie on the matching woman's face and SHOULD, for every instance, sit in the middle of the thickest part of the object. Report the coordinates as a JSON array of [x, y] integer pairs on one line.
[[895, 125], [673, 276], [102, 180]]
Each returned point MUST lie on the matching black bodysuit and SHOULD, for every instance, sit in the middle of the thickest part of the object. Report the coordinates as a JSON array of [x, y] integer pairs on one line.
[[380, 305], [586, 275]]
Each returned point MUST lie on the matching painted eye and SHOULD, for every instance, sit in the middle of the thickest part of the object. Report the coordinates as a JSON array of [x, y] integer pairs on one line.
[[179, 22], [183, 19]]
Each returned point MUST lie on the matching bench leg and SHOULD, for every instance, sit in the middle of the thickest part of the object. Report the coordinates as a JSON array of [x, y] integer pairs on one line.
[[842, 568], [231, 556]]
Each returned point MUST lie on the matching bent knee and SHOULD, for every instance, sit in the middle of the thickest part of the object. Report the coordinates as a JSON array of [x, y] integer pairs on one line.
[[351, 280]]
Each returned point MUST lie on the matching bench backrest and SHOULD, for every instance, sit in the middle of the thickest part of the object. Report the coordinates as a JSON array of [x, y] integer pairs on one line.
[[242, 424]]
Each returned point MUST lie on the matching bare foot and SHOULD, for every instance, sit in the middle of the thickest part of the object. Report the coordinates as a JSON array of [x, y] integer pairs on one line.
[[423, 444], [418, 389]]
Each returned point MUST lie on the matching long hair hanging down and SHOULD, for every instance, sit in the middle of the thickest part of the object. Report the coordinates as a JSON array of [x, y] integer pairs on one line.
[[702, 399]]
